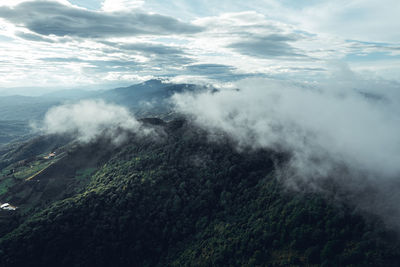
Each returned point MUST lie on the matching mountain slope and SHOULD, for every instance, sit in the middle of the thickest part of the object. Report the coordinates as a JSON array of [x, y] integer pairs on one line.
[[179, 200], [11, 131]]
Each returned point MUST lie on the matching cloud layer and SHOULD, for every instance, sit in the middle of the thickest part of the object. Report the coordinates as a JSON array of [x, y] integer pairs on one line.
[[271, 46], [52, 18], [117, 43], [338, 130], [91, 119], [328, 123]]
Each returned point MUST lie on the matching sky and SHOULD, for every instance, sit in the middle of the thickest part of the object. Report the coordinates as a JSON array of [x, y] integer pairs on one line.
[[104, 44]]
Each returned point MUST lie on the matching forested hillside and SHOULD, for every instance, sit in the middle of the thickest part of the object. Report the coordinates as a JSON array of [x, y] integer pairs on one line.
[[179, 199]]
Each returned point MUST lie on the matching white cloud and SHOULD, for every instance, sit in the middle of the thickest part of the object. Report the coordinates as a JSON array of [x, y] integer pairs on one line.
[[91, 119], [12, 3], [344, 129], [333, 123], [121, 5], [366, 20], [243, 35]]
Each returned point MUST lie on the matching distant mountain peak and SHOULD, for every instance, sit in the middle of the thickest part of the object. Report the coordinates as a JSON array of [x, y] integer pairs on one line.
[[151, 82]]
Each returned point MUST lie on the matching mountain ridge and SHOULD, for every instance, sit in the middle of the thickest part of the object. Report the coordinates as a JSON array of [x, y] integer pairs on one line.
[[143, 99], [181, 200]]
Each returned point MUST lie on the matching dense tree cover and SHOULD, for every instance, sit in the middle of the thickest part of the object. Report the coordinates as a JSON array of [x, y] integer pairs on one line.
[[181, 200]]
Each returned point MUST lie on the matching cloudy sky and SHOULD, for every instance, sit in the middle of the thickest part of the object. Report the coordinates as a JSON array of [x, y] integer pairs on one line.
[[95, 43]]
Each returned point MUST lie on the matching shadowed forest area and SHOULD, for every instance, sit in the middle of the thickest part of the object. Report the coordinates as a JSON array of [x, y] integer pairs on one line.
[[181, 200]]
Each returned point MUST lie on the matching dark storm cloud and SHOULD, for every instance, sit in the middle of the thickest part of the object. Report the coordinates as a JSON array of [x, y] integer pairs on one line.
[[144, 48], [152, 48], [158, 54], [215, 71], [219, 72], [271, 46], [52, 18], [305, 69], [170, 61], [102, 64], [360, 45], [33, 37], [207, 69], [62, 59]]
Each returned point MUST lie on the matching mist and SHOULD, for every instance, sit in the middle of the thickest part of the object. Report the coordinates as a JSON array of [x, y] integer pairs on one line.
[[88, 120], [332, 130]]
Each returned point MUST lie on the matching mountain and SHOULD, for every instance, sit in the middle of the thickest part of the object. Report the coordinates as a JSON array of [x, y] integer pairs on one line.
[[69, 94], [28, 108], [173, 199], [147, 98]]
